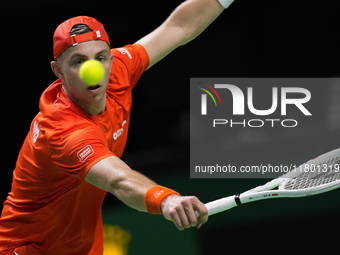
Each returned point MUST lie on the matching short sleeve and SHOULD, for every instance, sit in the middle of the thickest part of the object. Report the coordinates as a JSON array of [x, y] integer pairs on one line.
[[75, 152], [134, 58]]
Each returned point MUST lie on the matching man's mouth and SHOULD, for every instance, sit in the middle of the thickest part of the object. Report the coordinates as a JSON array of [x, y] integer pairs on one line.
[[95, 87]]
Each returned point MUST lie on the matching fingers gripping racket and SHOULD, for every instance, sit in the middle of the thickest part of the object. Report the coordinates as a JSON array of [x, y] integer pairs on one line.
[[316, 176]]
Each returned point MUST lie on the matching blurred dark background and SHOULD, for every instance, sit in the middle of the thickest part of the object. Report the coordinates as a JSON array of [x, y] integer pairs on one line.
[[251, 39]]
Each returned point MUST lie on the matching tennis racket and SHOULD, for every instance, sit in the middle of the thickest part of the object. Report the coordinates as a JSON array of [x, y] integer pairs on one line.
[[316, 176]]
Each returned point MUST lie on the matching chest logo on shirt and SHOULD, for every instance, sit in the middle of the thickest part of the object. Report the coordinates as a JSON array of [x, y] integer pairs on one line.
[[119, 132], [85, 152]]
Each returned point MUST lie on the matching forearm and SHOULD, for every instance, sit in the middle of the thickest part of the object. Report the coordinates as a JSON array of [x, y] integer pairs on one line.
[[193, 17], [141, 193], [131, 188], [114, 176]]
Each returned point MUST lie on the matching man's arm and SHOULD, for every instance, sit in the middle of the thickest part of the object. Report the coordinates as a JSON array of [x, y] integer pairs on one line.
[[113, 175], [185, 23]]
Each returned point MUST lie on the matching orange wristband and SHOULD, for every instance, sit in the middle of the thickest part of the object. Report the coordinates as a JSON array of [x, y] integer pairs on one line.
[[154, 197]]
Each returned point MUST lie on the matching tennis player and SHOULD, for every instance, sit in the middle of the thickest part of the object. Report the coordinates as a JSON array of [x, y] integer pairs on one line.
[[70, 158]]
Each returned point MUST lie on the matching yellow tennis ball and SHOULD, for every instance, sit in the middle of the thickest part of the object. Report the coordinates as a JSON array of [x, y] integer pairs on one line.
[[91, 72]]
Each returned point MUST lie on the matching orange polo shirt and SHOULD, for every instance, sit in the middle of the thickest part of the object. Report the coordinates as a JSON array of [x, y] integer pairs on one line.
[[51, 209]]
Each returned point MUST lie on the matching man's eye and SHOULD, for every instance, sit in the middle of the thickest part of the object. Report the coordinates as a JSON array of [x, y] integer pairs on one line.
[[101, 59], [78, 62]]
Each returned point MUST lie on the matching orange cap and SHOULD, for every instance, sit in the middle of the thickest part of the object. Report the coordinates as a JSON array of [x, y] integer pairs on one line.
[[62, 39]]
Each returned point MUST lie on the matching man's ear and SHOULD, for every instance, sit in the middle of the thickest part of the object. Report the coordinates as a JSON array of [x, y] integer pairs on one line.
[[56, 69], [111, 59]]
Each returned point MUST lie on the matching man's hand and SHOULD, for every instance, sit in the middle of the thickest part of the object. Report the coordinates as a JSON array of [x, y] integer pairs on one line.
[[181, 211]]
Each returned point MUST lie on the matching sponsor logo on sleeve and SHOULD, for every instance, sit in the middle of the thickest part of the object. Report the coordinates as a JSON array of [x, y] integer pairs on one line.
[[125, 51], [36, 131], [85, 152]]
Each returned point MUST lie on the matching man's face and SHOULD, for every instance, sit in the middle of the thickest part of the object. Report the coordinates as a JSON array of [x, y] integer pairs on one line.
[[91, 98]]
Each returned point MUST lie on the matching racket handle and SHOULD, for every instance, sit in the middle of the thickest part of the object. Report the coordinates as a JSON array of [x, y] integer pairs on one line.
[[219, 205]]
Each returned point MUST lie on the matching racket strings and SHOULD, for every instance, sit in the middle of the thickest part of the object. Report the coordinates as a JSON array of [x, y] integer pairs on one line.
[[316, 175]]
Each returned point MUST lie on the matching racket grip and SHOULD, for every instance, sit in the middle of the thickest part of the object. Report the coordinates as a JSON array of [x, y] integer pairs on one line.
[[219, 205]]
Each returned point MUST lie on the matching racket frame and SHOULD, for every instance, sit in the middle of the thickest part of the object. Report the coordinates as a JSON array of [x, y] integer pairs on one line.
[[267, 190]]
